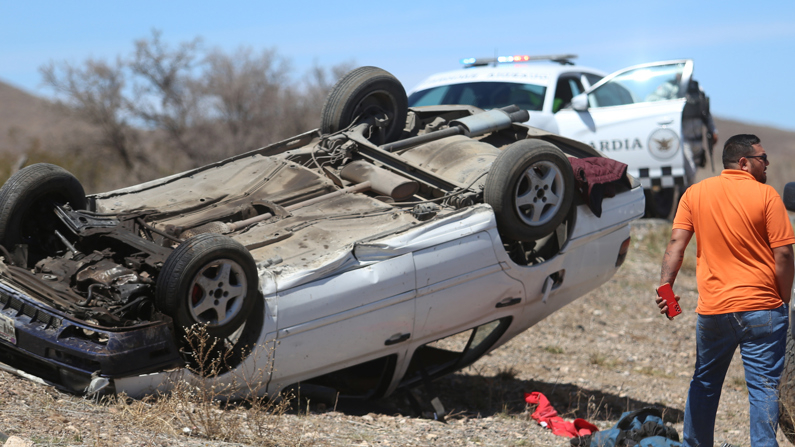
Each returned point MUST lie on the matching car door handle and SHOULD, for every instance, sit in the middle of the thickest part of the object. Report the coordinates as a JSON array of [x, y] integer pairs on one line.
[[397, 338], [508, 302], [665, 121]]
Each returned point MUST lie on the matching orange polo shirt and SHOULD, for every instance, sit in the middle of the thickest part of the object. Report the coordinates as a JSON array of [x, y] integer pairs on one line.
[[737, 221]]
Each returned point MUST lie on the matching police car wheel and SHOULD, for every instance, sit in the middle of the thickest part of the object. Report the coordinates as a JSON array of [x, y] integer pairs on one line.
[[660, 203], [530, 186], [367, 93], [27, 201]]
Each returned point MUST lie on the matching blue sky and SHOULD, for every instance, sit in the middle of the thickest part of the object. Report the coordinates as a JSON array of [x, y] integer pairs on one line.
[[743, 51]]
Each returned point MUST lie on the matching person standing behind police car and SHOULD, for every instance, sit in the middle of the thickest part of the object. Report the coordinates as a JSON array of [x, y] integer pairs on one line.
[[744, 274], [695, 117]]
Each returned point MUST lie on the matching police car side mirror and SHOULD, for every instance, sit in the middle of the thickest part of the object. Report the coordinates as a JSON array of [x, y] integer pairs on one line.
[[580, 102], [789, 196]]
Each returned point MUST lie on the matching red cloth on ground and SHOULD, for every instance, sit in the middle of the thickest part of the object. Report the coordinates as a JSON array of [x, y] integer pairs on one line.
[[547, 417]]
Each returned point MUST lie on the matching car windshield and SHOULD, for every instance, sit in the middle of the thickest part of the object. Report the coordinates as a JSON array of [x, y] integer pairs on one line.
[[646, 84], [486, 95]]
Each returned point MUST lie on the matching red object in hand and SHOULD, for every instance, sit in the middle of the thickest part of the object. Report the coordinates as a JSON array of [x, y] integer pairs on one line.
[[667, 293]]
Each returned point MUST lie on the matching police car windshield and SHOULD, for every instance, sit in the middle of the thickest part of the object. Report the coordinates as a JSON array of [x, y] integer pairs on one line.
[[486, 95], [644, 84]]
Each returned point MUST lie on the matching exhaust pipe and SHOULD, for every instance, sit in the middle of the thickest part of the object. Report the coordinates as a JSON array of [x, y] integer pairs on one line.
[[470, 126], [382, 181]]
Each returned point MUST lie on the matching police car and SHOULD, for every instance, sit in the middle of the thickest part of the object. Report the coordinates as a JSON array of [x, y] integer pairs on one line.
[[638, 115]]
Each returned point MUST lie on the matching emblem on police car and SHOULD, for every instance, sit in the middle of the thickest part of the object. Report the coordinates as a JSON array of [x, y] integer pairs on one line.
[[663, 143]]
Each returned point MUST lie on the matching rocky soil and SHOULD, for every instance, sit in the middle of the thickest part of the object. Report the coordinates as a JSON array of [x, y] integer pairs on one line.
[[608, 352]]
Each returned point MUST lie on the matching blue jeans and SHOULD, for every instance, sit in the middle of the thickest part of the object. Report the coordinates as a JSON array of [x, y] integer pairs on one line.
[[762, 337]]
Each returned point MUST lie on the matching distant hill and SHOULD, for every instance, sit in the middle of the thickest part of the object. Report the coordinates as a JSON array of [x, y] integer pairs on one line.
[[775, 141], [32, 125], [778, 143], [28, 122]]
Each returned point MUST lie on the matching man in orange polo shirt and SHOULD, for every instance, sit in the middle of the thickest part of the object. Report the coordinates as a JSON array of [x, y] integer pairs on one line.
[[744, 271]]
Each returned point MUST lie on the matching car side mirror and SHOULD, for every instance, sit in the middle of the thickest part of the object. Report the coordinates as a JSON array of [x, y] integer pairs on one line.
[[580, 102], [789, 196]]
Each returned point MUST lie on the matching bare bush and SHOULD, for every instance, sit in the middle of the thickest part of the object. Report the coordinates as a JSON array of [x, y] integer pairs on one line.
[[165, 95], [246, 96], [166, 108], [94, 92]]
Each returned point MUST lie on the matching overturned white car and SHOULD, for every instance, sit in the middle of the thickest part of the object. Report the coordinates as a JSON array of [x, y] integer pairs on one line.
[[339, 258]]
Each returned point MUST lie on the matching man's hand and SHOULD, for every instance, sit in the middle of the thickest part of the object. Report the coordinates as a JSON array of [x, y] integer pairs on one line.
[[664, 306]]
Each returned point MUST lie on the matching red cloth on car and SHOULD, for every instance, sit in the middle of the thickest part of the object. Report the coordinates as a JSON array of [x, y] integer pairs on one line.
[[593, 177], [547, 417]]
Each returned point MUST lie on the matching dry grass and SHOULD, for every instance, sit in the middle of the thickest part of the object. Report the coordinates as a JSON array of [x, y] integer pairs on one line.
[[209, 410], [554, 349], [192, 413]]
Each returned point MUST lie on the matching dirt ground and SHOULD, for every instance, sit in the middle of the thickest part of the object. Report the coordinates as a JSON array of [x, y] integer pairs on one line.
[[608, 352]]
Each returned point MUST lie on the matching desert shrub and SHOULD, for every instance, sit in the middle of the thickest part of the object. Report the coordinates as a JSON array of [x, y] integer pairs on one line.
[[166, 108], [201, 407]]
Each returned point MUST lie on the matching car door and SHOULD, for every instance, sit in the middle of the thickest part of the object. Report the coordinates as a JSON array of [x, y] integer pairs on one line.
[[459, 283], [343, 320], [635, 116], [568, 86]]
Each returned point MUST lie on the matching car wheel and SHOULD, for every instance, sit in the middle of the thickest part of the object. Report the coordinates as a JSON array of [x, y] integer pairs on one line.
[[786, 390], [530, 186], [210, 279], [367, 92], [27, 201], [660, 203]]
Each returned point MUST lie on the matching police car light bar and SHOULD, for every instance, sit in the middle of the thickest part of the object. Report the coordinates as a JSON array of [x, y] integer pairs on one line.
[[563, 59]]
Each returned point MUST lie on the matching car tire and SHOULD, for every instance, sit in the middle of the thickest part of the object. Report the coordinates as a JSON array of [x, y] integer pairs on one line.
[[786, 391], [660, 204], [209, 279], [366, 91], [26, 209], [530, 186]]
